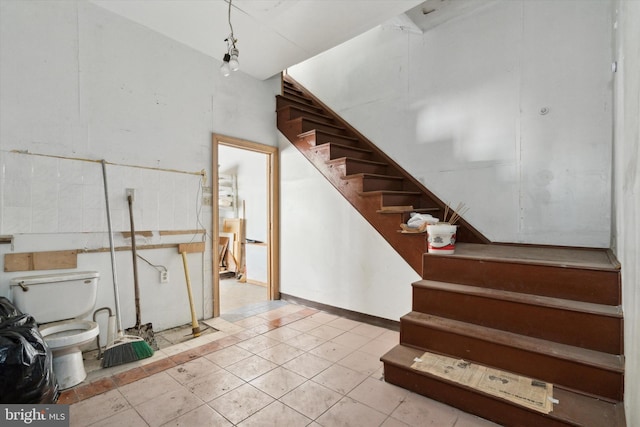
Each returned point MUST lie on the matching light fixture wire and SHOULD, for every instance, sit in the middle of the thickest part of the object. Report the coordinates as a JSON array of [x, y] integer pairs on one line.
[[230, 60]]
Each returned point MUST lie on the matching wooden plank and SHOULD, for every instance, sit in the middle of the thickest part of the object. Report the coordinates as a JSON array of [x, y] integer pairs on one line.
[[51, 260], [191, 247]]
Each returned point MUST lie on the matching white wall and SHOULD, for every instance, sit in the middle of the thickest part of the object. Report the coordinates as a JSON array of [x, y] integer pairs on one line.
[[329, 253], [80, 84], [459, 107], [627, 192]]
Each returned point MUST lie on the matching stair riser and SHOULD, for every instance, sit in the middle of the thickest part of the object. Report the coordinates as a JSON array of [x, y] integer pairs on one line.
[[291, 112], [546, 367], [467, 400], [319, 138], [331, 151], [282, 102], [376, 184], [307, 125], [400, 200], [297, 97], [586, 330], [600, 287], [352, 168]]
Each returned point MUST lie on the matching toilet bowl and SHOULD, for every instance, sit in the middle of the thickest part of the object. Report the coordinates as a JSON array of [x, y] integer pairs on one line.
[[65, 338]]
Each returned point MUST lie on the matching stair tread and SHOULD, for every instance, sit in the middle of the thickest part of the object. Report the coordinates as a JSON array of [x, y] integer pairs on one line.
[[351, 159], [335, 135], [372, 175], [326, 145], [405, 211], [571, 407], [585, 356], [311, 119], [546, 255], [559, 303], [313, 110], [383, 192]]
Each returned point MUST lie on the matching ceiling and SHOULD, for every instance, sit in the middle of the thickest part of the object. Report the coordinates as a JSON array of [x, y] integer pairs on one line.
[[272, 34]]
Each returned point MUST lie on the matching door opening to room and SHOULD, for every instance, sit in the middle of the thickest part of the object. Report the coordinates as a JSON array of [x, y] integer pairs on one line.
[[244, 224]]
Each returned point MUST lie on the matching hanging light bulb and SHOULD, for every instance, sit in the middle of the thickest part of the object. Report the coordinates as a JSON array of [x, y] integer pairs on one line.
[[230, 60], [225, 68], [233, 61]]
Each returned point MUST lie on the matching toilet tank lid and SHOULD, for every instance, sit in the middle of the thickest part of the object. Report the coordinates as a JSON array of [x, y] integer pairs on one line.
[[57, 277]]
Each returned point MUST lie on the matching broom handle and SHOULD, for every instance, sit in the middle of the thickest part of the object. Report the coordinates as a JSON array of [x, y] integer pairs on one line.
[[135, 263], [116, 295]]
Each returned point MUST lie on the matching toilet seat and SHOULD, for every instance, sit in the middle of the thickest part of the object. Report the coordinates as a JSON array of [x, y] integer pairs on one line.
[[68, 332]]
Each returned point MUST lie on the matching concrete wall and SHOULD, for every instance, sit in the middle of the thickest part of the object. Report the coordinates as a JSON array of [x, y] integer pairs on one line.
[[507, 109], [627, 191], [80, 84]]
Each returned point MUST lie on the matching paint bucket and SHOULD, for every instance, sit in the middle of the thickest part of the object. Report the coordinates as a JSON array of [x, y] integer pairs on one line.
[[441, 238]]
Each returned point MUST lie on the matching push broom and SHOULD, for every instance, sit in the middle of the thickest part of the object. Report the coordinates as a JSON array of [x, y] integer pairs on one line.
[[125, 348]]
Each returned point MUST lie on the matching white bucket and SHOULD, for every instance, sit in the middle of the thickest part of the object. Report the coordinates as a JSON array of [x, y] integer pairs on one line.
[[441, 238]]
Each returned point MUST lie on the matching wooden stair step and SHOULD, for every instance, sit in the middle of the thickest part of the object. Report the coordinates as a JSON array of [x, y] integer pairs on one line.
[[588, 371], [572, 409], [371, 182], [568, 273], [320, 137], [408, 211], [336, 151], [291, 111], [582, 324], [354, 166], [284, 100], [305, 124], [395, 198], [299, 97]]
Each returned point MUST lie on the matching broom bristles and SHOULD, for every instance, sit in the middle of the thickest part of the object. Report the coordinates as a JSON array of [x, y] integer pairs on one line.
[[126, 349]]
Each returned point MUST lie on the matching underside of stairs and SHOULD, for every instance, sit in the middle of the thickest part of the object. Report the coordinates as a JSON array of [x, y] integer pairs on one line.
[[550, 314]]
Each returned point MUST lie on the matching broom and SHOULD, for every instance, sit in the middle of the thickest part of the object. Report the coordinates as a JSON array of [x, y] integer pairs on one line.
[[125, 348]]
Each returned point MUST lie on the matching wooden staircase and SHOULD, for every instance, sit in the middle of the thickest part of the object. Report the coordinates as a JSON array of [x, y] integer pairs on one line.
[[383, 192], [549, 313]]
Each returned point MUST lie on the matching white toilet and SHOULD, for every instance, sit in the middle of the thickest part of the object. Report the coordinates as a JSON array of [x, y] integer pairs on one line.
[[59, 302]]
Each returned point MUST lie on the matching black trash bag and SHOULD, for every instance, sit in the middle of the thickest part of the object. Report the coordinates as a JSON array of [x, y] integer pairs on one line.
[[26, 362]]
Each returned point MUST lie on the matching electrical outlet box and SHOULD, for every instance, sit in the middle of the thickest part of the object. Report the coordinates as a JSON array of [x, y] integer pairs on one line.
[[164, 277], [131, 192]]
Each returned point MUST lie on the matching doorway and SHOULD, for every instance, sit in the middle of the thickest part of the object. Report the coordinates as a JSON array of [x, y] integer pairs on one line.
[[245, 247]]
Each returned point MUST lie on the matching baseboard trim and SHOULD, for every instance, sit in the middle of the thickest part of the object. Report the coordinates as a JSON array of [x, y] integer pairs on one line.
[[342, 312]]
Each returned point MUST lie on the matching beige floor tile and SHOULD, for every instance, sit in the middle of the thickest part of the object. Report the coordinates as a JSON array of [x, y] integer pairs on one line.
[[281, 353], [128, 418], [418, 411], [392, 422], [223, 325], [311, 399], [344, 323], [377, 347], [283, 334], [351, 340], [322, 317], [214, 385], [307, 365], [468, 420], [191, 370], [362, 362], [325, 332], [241, 403], [390, 337], [383, 396], [369, 330], [148, 388], [305, 342], [340, 379], [250, 322], [251, 367], [276, 414], [202, 416], [169, 405], [331, 351], [228, 356], [304, 325], [258, 344], [97, 408], [350, 413], [278, 382]]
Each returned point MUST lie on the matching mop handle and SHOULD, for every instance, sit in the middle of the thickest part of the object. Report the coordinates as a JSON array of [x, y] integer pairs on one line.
[[112, 247]]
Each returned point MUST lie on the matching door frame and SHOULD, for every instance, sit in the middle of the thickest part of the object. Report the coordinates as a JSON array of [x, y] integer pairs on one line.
[[273, 214]]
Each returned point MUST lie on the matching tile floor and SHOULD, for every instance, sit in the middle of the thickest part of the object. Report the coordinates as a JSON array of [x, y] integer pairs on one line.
[[270, 364]]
